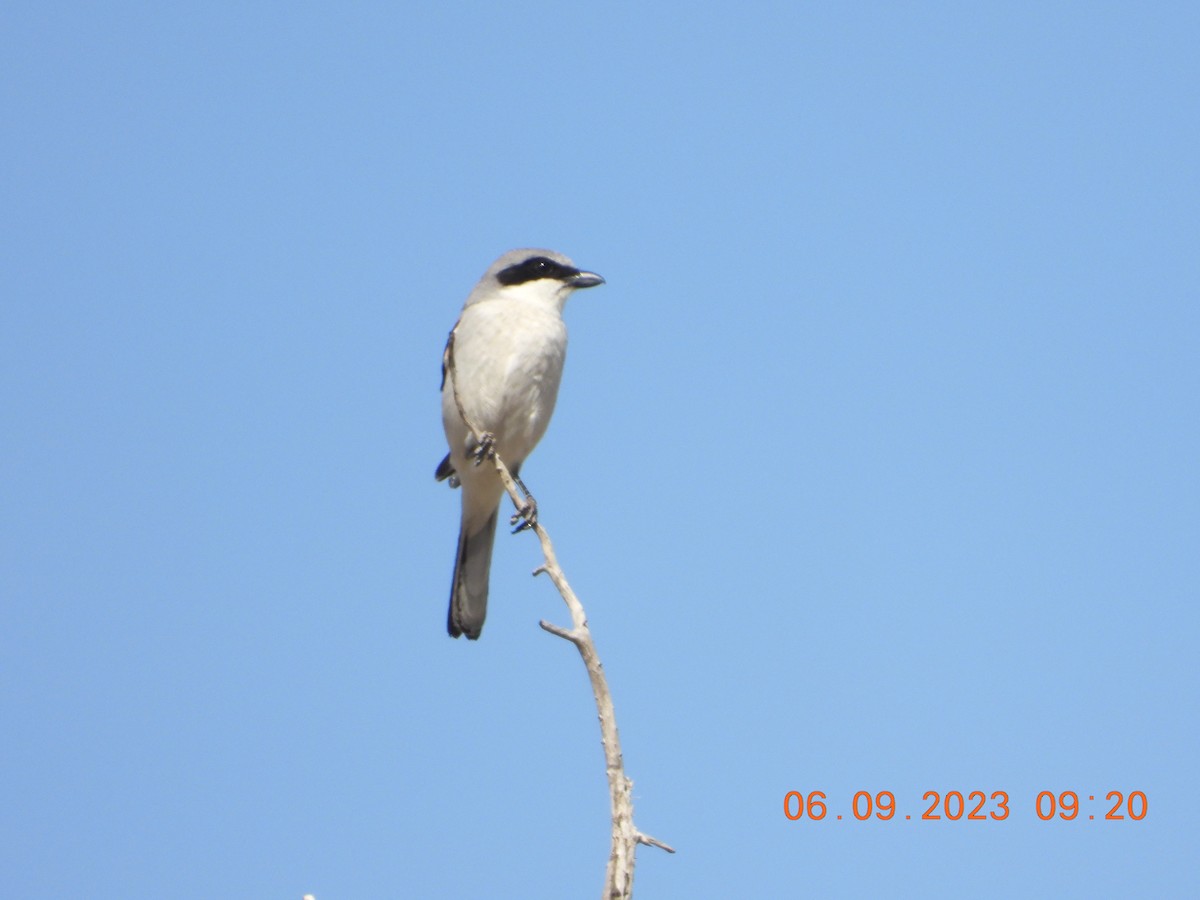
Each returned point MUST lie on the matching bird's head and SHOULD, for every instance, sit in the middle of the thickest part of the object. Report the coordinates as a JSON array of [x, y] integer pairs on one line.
[[538, 276]]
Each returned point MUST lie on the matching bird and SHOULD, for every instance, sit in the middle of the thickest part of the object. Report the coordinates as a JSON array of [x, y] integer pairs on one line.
[[503, 365]]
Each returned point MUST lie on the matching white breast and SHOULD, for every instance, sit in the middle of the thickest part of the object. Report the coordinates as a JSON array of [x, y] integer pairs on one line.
[[508, 357]]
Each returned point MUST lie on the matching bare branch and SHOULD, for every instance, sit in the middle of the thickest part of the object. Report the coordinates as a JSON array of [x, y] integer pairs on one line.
[[618, 880]]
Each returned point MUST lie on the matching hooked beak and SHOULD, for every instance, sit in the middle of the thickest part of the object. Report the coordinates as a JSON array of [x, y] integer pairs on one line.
[[585, 280]]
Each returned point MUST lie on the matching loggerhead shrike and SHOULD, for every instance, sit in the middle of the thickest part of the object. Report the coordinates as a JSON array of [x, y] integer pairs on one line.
[[508, 349]]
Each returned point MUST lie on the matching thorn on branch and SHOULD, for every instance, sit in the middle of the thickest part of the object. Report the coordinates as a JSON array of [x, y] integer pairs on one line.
[[654, 842], [567, 634]]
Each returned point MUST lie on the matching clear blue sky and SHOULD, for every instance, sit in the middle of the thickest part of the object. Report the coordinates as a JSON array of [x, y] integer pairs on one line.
[[875, 461]]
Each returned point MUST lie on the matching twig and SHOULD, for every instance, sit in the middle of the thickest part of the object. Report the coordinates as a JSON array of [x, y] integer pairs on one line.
[[618, 880]]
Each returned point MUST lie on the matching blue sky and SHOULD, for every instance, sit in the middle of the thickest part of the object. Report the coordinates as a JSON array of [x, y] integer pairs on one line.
[[874, 463]]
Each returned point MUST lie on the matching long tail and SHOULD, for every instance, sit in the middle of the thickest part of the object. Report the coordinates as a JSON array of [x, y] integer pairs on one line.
[[469, 590]]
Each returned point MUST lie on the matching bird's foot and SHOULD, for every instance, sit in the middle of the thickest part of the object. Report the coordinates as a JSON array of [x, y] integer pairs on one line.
[[526, 516], [485, 449]]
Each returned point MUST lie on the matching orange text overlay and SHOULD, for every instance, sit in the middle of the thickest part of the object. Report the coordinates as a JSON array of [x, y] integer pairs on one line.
[[969, 806]]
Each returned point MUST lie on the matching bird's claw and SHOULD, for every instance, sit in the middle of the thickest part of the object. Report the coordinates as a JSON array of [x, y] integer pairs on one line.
[[485, 449], [526, 516]]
